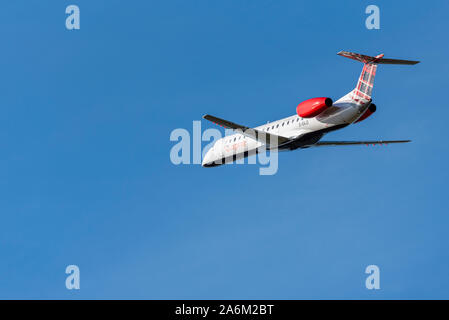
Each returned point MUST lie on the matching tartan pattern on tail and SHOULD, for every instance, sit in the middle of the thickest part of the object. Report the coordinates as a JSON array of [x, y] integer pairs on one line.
[[365, 84]]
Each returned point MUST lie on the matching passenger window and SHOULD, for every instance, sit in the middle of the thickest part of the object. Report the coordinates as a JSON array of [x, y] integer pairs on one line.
[[277, 126]]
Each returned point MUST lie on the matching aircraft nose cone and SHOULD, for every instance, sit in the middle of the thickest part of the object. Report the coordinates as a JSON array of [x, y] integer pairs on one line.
[[207, 158]]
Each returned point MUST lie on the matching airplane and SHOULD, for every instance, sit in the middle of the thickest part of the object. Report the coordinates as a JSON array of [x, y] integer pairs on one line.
[[314, 118]]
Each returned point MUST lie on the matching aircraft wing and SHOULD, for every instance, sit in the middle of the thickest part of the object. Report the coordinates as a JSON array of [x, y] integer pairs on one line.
[[261, 136], [352, 143]]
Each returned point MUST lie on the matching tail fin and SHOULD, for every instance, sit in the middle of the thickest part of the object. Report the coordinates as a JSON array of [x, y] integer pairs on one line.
[[364, 88]]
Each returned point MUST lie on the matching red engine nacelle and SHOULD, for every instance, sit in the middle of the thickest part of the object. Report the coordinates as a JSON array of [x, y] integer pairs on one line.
[[313, 107], [371, 109]]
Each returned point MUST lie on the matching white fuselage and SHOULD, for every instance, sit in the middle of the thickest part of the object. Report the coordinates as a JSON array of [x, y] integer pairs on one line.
[[343, 112]]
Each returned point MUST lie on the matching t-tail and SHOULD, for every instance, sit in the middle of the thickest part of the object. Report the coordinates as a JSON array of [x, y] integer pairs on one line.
[[362, 92]]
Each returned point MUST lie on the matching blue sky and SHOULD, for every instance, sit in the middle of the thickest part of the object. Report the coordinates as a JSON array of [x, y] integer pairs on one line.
[[86, 177]]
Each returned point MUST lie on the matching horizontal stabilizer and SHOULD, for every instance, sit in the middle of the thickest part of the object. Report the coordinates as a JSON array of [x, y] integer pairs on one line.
[[352, 143], [378, 59]]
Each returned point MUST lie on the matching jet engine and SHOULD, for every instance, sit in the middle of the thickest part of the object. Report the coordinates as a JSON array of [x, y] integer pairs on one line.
[[371, 109], [313, 107]]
